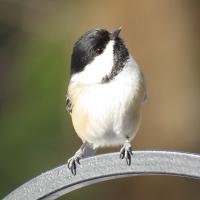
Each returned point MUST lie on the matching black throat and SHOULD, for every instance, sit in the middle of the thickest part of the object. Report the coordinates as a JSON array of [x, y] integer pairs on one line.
[[121, 56]]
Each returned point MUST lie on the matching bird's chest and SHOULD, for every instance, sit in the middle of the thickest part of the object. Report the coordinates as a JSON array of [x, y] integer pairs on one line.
[[103, 110], [103, 100]]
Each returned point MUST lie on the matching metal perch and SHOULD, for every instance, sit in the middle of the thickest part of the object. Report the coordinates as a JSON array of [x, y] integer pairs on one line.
[[59, 181]]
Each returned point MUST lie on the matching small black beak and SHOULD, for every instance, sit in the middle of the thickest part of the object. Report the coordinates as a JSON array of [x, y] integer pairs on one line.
[[115, 33]]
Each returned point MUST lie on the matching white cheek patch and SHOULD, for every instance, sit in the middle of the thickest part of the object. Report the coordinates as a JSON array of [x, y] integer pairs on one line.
[[98, 68]]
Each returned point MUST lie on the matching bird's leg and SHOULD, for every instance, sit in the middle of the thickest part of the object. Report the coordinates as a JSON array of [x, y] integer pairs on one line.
[[126, 151], [86, 150]]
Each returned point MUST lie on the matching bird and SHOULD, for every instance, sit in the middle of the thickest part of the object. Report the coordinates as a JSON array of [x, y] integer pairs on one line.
[[105, 94]]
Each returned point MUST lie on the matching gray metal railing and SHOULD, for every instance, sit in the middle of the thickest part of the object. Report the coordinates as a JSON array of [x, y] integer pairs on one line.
[[59, 181]]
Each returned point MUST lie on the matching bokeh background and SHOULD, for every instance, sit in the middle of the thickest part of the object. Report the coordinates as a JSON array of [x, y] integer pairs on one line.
[[36, 41]]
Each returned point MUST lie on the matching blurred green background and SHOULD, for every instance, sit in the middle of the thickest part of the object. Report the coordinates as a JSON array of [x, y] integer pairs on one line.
[[36, 41]]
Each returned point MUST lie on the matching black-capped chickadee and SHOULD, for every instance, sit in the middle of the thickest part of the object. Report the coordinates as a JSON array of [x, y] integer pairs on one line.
[[105, 94]]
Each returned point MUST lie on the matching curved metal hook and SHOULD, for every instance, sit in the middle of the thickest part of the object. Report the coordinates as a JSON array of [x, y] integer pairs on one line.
[[59, 181]]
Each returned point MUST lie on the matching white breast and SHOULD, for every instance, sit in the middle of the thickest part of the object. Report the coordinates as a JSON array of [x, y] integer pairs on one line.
[[104, 114]]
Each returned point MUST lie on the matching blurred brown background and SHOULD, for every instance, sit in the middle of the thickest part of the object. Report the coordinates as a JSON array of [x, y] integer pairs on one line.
[[36, 40]]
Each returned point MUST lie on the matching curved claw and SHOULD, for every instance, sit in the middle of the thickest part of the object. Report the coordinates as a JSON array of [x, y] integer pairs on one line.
[[128, 157], [126, 152], [73, 169], [122, 153], [71, 164]]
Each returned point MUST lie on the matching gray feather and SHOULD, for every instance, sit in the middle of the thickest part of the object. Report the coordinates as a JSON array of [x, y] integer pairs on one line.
[[68, 104]]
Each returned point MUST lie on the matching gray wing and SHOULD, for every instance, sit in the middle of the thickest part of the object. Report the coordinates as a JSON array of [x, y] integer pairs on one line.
[[145, 88], [68, 103]]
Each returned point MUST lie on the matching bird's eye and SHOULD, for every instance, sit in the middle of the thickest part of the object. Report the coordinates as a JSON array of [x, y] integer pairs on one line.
[[99, 50]]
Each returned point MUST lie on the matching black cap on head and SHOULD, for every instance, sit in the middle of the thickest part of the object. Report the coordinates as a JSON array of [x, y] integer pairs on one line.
[[92, 44]]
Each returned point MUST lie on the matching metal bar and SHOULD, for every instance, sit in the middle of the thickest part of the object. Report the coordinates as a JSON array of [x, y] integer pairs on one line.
[[59, 181]]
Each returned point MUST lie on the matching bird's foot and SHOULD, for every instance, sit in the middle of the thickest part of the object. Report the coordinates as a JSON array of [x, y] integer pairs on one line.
[[126, 152], [72, 162], [86, 150]]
